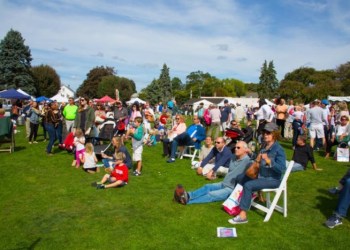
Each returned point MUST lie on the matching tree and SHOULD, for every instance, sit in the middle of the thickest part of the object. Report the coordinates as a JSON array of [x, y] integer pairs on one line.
[[47, 81], [292, 90], [343, 77], [90, 85], [15, 58], [108, 85], [302, 74], [268, 83], [234, 87], [195, 82], [152, 92], [165, 84]]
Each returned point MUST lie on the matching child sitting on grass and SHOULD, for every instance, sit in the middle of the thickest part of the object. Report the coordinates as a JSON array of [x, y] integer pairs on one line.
[[136, 134], [117, 177], [89, 159], [79, 144]]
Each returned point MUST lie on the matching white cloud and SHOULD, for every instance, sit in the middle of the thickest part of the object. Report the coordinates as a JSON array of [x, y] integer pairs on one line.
[[225, 38]]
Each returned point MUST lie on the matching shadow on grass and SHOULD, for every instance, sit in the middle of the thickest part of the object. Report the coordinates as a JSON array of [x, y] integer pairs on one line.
[[31, 247], [326, 202]]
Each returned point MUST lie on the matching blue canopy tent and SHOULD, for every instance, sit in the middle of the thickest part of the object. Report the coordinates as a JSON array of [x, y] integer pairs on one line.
[[13, 94], [42, 98]]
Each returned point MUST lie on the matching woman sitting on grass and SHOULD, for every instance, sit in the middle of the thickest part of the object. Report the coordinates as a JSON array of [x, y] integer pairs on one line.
[[89, 159], [108, 158], [117, 177]]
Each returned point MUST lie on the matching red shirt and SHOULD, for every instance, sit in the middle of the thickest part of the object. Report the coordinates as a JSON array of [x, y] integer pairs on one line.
[[121, 173]]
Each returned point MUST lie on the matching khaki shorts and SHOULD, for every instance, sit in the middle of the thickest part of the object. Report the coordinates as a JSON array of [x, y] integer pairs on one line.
[[137, 155], [316, 130]]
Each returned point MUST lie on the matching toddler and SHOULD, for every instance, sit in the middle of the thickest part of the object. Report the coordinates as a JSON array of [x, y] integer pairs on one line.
[[79, 142], [89, 159]]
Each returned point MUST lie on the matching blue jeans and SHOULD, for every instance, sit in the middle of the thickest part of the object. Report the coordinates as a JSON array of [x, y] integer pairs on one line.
[[58, 131], [209, 193], [50, 128], [344, 199], [297, 167], [250, 186], [181, 140]]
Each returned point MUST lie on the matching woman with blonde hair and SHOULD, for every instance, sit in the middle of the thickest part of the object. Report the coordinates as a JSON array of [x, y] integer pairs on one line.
[[178, 128], [118, 146]]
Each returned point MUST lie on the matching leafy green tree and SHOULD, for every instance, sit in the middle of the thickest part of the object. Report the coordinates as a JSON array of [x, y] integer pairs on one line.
[[90, 85], [268, 82], [109, 84], [234, 87], [195, 82], [251, 87], [176, 84], [47, 81], [165, 84], [343, 77], [292, 90], [302, 74], [15, 63]]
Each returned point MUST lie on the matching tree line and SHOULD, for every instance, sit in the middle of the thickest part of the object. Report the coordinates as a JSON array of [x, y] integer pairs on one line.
[[303, 84]]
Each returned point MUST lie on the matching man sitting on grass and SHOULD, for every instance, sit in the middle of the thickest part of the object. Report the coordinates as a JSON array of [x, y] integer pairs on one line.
[[217, 191], [222, 156]]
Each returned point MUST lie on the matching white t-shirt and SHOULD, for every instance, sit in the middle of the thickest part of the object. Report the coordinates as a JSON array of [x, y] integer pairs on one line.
[[89, 160]]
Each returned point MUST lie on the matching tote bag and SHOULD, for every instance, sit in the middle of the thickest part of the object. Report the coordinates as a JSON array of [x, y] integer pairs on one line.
[[231, 204]]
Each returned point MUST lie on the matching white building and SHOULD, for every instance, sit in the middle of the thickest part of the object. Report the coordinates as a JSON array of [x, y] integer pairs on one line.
[[63, 94]]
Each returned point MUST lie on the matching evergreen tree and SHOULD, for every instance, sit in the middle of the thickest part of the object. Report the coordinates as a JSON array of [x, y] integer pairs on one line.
[[47, 81], [152, 92], [165, 84], [90, 85], [15, 58], [268, 83]]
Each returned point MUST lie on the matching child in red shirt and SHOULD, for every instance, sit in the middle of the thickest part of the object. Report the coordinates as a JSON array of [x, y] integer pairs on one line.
[[117, 177]]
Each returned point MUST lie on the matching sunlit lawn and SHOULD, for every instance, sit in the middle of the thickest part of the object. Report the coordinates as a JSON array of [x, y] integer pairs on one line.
[[47, 204]]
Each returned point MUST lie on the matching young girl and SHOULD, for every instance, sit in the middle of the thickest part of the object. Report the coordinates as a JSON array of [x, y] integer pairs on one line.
[[117, 177], [89, 159], [79, 142]]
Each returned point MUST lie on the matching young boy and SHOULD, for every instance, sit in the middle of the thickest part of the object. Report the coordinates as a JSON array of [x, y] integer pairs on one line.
[[117, 177], [136, 134]]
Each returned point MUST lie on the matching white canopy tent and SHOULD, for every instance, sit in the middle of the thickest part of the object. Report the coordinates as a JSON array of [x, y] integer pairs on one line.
[[59, 98], [205, 102], [339, 98], [136, 99]]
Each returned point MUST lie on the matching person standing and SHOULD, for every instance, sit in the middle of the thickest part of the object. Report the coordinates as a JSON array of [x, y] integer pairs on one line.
[[34, 116], [316, 117], [51, 122], [85, 117], [215, 116], [69, 114], [281, 114], [225, 116]]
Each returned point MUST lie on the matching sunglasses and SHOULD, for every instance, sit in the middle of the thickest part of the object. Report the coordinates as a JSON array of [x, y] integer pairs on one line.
[[234, 124], [218, 142], [267, 132], [82, 100], [177, 118], [237, 147]]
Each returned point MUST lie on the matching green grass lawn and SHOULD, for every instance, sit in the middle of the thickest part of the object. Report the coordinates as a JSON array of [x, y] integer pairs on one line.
[[47, 204]]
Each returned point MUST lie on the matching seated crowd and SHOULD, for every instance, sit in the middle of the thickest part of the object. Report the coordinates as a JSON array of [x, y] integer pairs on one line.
[[78, 129]]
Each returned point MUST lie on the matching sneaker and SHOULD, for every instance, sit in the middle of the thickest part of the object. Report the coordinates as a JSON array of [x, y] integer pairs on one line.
[[30, 142], [333, 221], [73, 163], [237, 220], [137, 173], [334, 190], [95, 184], [100, 186], [180, 195], [171, 160], [35, 142]]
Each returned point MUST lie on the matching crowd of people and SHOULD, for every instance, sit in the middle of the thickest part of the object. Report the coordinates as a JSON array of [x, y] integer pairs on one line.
[[74, 125]]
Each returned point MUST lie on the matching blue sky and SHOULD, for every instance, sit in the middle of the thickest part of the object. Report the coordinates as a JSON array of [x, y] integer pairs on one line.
[[226, 38]]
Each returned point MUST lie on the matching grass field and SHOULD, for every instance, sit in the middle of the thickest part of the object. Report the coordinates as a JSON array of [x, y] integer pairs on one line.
[[47, 204]]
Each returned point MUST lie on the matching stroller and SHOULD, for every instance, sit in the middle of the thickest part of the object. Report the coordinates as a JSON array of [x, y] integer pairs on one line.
[[234, 135], [107, 132]]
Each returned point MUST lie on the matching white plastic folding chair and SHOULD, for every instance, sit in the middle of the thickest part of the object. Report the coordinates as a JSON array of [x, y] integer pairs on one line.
[[189, 151], [282, 189]]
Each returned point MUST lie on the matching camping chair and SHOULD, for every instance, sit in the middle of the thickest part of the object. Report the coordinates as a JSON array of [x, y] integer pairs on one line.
[[7, 135], [271, 206]]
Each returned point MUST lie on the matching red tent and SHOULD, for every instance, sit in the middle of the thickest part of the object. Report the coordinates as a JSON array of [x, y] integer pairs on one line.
[[106, 98]]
